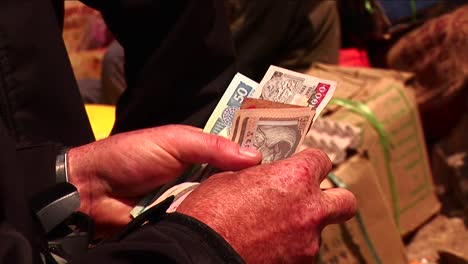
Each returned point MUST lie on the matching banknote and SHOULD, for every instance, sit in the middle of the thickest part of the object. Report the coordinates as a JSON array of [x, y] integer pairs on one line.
[[276, 133], [274, 125], [285, 86], [220, 120], [254, 103], [179, 191]]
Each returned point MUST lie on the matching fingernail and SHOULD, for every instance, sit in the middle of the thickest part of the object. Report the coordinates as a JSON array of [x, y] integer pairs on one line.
[[249, 152]]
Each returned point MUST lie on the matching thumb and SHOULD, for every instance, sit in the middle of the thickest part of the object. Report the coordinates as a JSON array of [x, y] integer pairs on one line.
[[193, 146]]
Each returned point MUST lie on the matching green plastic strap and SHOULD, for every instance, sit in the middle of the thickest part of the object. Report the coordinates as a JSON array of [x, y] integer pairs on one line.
[[369, 7], [414, 10], [360, 221], [384, 139]]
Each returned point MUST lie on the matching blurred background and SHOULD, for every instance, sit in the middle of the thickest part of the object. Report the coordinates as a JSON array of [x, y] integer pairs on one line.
[[406, 61]]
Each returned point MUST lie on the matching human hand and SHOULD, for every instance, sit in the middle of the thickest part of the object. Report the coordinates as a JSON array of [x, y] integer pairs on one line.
[[113, 174], [272, 213]]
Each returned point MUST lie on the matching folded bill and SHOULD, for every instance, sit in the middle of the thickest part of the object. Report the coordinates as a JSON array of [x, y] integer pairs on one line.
[[277, 133], [179, 191]]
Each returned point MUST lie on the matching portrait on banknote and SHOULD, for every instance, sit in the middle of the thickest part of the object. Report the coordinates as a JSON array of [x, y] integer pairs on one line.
[[276, 139]]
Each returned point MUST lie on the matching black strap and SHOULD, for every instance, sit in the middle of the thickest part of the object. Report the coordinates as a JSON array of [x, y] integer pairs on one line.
[[151, 215]]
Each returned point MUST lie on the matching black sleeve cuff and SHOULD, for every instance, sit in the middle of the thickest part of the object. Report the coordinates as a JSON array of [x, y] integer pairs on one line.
[[201, 234], [174, 238]]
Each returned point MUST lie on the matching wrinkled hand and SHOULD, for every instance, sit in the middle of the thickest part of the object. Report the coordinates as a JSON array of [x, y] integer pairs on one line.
[[113, 174], [272, 213]]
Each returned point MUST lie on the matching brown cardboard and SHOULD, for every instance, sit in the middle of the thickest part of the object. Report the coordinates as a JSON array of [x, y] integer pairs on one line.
[[371, 236], [414, 200]]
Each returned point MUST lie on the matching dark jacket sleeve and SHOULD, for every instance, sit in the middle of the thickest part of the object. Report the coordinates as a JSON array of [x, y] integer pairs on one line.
[[178, 59], [40, 109], [23, 172], [39, 99], [176, 238]]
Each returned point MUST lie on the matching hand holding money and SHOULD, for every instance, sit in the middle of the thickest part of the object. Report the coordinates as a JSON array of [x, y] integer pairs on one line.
[[275, 123], [272, 213], [278, 121], [112, 174], [278, 85]]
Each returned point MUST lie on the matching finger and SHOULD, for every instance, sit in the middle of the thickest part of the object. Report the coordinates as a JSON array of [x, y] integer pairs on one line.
[[191, 128], [339, 204], [190, 146], [315, 162]]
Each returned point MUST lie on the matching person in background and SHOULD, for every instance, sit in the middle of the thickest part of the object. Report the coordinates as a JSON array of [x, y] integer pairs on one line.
[[113, 82], [291, 35], [253, 213]]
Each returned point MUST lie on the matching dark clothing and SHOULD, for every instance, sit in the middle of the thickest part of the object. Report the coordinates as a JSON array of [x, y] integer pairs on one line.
[[176, 72], [290, 34], [112, 77], [170, 67], [176, 238]]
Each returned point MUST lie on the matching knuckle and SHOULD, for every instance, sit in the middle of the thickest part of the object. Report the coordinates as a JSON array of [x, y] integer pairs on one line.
[[312, 162], [296, 170], [302, 166], [320, 163], [318, 158], [220, 143]]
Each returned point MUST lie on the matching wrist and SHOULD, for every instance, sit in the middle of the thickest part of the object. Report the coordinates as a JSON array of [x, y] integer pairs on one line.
[[79, 173]]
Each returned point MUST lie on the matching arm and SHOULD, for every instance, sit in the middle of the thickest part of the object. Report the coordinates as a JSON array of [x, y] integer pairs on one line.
[[176, 238], [271, 213], [113, 174]]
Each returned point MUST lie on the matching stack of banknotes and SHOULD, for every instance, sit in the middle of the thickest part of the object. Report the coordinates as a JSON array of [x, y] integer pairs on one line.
[[273, 117]]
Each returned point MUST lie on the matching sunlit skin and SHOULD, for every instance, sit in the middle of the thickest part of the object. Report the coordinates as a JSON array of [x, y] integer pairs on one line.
[[272, 213], [268, 213]]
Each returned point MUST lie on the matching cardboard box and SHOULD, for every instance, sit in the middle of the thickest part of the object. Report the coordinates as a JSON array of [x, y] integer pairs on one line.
[[371, 236], [402, 169]]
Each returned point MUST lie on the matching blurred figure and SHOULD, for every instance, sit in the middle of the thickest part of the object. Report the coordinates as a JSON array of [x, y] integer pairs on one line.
[[113, 76], [436, 52], [291, 35]]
